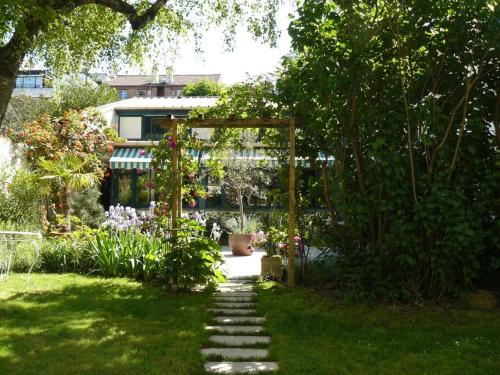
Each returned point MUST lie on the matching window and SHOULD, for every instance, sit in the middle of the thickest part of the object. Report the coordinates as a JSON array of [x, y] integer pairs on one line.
[[123, 94], [143, 93], [160, 91], [29, 82], [152, 128], [134, 187]]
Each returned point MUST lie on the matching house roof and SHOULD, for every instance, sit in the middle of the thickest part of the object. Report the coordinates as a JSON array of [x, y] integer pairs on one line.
[[145, 79], [161, 103]]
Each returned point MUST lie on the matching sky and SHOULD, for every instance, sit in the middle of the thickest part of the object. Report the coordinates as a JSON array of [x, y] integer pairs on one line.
[[249, 57]]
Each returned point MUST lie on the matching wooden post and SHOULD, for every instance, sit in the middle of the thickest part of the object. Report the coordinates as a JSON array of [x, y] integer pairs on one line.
[[175, 176], [291, 208]]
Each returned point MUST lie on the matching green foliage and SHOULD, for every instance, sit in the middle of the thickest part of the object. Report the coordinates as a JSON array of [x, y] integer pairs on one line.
[[100, 32], [22, 198], [86, 206], [203, 88], [400, 95], [128, 253], [24, 109], [249, 225], [193, 259], [69, 253], [78, 96], [25, 257]]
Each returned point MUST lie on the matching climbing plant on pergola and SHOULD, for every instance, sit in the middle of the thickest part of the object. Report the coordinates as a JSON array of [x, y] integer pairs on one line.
[[172, 124]]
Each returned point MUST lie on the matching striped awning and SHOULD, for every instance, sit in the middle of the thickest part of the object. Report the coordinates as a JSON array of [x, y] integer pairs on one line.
[[130, 158]]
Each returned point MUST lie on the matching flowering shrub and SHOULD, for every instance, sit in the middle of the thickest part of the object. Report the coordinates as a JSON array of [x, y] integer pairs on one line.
[[78, 133], [259, 239]]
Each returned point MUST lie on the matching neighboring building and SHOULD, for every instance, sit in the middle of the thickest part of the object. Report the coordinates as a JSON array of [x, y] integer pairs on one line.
[[139, 120], [34, 83], [169, 85]]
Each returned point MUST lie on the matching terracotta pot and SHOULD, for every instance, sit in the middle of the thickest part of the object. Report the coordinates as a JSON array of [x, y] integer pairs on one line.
[[240, 244], [271, 268]]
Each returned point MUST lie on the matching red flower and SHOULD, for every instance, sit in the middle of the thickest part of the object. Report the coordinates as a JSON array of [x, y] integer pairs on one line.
[[142, 152], [21, 134], [192, 204], [149, 185]]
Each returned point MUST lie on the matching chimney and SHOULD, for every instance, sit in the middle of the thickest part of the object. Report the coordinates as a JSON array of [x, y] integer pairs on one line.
[[169, 76], [155, 77]]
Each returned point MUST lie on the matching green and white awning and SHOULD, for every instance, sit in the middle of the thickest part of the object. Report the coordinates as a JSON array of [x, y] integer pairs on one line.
[[130, 158]]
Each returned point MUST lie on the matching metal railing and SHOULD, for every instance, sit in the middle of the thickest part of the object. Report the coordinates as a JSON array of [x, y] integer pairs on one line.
[[9, 240]]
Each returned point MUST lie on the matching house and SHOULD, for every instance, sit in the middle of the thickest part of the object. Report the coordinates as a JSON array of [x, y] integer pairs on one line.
[[155, 85], [139, 120], [34, 83]]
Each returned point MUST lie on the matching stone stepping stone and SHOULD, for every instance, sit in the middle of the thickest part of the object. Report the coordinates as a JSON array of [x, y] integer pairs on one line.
[[239, 319], [236, 353], [235, 294], [235, 329], [233, 299], [234, 311], [234, 290], [239, 340], [239, 367], [232, 284], [234, 305]]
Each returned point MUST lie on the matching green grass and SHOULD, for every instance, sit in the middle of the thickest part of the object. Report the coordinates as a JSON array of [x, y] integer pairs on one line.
[[312, 335], [71, 324]]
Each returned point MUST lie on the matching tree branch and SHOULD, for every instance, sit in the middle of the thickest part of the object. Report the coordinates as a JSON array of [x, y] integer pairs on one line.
[[137, 21]]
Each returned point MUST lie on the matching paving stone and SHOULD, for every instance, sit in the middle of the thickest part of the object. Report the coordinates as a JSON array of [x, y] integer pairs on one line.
[[239, 319], [235, 289], [236, 353], [239, 340], [239, 367], [235, 329], [226, 298], [234, 311], [235, 294], [234, 305]]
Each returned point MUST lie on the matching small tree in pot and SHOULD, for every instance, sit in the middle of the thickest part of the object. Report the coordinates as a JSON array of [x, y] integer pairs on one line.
[[243, 180]]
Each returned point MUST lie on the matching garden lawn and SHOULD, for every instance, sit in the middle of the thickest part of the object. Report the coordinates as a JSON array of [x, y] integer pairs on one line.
[[72, 324], [312, 335]]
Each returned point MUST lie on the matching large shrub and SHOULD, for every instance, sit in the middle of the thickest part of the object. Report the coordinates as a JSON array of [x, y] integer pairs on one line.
[[402, 96], [194, 259]]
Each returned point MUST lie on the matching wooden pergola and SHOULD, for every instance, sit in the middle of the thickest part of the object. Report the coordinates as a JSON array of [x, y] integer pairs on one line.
[[251, 123]]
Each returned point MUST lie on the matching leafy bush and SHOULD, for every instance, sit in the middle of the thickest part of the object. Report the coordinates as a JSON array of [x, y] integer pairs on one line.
[[86, 206], [25, 256], [194, 259], [250, 224], [68, 254], [22, 198], [128, 253]]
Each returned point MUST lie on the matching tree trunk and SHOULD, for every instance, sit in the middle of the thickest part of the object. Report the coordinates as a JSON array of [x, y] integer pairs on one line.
[[68, 209], [242, 215], [11, 61]]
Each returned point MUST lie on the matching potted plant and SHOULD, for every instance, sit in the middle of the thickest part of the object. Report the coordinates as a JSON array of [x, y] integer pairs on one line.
[[273, 242], [244, 179], [241, 231]]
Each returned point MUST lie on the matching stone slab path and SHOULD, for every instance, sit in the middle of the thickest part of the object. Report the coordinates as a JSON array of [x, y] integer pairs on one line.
[[237, 338]]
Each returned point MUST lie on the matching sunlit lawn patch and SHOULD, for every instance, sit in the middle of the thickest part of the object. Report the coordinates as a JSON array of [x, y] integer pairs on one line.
[[71, 324], [311, 335]]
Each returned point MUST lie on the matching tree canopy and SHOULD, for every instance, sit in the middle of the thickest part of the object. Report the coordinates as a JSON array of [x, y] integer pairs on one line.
[[203, 88], [73, 34]]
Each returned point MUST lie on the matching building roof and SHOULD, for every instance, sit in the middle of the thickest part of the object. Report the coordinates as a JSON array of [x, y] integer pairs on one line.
[[162, 103], [145, 79]]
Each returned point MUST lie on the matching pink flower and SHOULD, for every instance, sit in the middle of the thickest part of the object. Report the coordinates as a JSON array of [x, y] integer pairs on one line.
[[149, 185], [282, 245], [142, 152], [296, 239], [192, 204]]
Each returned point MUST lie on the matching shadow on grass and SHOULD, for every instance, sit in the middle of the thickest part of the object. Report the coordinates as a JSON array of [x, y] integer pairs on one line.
[[102, 326]]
